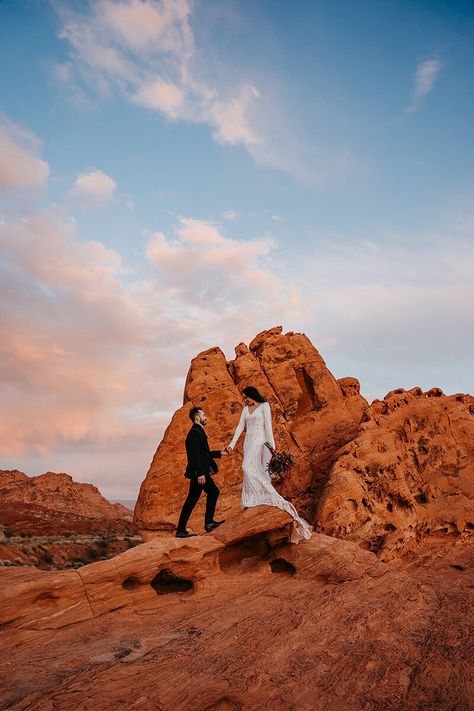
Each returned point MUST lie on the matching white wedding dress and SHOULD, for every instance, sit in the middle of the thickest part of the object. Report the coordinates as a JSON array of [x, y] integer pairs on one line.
[[257, 488]]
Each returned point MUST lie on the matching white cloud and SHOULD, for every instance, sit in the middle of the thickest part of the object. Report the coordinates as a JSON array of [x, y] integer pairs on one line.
[[161, 95], [145, 50], [93, 189], [424, 80], [230, 215], [227, 284], [166, 194], [20, 165]]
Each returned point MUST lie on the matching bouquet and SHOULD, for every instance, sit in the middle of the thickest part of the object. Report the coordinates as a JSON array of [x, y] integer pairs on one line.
[[280, 463]]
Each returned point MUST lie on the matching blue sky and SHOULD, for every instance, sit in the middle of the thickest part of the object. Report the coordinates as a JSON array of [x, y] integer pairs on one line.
[[178, 175]]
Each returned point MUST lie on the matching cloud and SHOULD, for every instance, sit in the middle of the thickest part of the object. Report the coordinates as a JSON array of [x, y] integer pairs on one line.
[[161, 95], [20, 165], [94, 353], [230, 215], [145, 50], [93, 189], [424, 80], [394, 314], [227, 284], [166, 194], [148, 52]]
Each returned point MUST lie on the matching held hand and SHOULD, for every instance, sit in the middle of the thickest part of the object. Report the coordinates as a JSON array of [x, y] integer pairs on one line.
[[201, 480], [228, 449], [224, 452]]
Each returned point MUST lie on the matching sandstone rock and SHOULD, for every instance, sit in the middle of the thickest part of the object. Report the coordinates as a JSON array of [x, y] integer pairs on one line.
[[41, 600], [242, 623], [58, 492], [312, 414], [408, 477]]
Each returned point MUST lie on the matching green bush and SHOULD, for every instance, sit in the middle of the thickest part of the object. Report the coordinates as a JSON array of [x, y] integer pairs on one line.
[[48, 558]]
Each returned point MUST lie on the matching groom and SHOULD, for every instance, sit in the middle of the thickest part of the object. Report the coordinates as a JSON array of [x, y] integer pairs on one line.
[[199, 470]]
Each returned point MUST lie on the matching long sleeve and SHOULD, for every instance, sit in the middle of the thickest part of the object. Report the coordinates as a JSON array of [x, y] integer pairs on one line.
[[267, 416], [239, 430]]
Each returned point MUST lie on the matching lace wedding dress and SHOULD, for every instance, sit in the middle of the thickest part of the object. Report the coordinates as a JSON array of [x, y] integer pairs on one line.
[[257, 488]]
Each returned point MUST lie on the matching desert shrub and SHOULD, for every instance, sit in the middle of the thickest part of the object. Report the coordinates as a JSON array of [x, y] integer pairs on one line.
[[24, 549], [8, 533], [48, 558], [67, 534], [93, 553], [103, 543]]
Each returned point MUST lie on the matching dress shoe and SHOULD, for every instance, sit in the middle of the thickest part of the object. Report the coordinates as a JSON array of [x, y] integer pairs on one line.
[[184, 534], [211, 526]]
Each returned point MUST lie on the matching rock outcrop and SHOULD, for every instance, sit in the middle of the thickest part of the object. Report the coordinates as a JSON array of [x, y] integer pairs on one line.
[[58, 492], [51, 521], [241, 620], [371, 613], [407, 478], [313, 416], [389, 477]]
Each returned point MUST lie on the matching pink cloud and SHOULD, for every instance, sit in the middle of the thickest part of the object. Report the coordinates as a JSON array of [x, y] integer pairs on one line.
[[90, 360], [94, 189], [20, 165]]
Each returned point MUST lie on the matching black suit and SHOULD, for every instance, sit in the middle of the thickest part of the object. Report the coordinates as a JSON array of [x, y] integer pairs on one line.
[[200, 463]]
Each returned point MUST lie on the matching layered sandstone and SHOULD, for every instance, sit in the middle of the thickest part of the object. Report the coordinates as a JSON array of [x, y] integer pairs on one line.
[[313, 416], [241, 620]]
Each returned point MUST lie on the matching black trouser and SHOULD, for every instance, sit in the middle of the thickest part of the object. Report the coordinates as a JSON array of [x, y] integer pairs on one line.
[[195, 489]]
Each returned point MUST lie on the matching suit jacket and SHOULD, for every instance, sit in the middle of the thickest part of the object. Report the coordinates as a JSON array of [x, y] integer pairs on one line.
[[200, 458]]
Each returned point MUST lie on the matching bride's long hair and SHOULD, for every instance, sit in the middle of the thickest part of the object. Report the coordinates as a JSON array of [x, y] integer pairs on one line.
[[253, 393]]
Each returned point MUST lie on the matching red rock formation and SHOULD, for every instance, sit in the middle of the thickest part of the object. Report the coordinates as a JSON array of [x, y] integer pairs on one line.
[[241, 620], [313, 415], [52, 521], [408, 477], [388, 476], [60, 493]]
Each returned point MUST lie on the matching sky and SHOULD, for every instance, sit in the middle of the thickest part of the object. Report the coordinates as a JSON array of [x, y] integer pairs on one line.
[[177, 175]]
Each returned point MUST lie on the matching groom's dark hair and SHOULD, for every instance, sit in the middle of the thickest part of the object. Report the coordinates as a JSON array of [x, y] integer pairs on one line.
[[253, 393], [193, 412]]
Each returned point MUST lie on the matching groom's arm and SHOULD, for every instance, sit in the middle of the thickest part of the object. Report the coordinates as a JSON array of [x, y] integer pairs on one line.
[[215, 454]]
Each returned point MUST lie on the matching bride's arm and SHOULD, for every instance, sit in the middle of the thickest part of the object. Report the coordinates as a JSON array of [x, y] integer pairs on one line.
[[239, 430], [267, 416]]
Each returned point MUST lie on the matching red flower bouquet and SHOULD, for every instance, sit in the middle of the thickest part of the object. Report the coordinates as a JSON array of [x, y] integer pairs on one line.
[[280, 463]]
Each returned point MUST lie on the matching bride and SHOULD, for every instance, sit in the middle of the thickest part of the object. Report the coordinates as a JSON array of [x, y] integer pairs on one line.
[[257, 488]]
